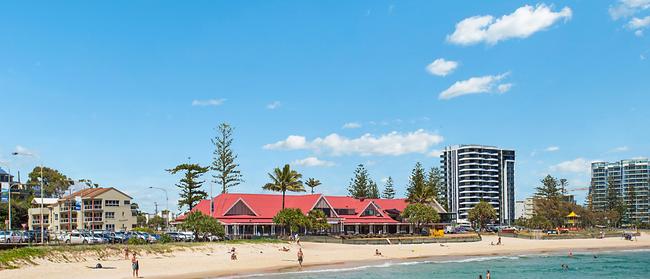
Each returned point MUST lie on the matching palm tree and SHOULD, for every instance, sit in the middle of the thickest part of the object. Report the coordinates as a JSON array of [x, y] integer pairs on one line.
[[284, 180], [312, 183]]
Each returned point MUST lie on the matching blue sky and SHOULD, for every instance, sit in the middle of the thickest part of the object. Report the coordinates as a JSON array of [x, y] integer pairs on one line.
[[119, 91]]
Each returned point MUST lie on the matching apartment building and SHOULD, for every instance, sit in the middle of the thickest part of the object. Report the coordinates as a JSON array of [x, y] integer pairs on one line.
[[525, 208], [92, 209], [630, 180], [479, 172]]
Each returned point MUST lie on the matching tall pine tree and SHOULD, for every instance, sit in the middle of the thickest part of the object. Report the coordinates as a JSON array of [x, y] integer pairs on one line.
[[435, 182], [373, 190], [223, 161], [359, 184], [190, 185], [418, 190], [615, 203], [389, 190]]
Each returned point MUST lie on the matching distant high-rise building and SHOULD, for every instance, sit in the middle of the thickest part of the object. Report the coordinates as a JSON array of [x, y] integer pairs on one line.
[[525, 209], [630, 180], [477, 172]]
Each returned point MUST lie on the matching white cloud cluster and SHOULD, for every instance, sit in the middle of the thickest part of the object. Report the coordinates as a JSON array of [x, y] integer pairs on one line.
[[209, 102], [273, 105], [522, 23], [638, 24], [352, 125], [442, 67], [578, 165], [619, 149], [476, 85], [313, 162], [393, 143], [552, 149], [626, 8]]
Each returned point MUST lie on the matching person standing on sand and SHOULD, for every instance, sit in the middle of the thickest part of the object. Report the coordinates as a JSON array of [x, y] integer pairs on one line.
[[300, 255], [126, 253], [135, 265]]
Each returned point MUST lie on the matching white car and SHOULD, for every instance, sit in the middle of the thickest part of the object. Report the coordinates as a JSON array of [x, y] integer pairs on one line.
[[78, 238], [12, 237]]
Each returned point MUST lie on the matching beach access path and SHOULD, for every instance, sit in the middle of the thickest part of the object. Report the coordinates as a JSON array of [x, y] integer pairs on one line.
[[213, 260]]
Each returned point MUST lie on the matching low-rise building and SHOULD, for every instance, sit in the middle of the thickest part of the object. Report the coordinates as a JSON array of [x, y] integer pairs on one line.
[[252, 214], [92, 209]]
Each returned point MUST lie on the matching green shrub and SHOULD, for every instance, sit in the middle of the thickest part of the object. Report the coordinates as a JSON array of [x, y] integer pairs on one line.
[[165, 238], [136, 241]]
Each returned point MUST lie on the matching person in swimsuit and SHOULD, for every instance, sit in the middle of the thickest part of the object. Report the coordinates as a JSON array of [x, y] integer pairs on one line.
[[487, 275], [135, 265], [300, 255]]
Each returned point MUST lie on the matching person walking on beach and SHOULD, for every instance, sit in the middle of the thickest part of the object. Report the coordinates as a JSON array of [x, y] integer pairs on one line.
[[300, 255], [135, 265], [126, 253]]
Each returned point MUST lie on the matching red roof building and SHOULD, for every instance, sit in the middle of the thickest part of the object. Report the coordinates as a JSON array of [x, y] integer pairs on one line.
[[252, 214]]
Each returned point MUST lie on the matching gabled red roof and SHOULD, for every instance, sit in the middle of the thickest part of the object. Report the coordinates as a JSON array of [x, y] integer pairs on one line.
[[266, 206]]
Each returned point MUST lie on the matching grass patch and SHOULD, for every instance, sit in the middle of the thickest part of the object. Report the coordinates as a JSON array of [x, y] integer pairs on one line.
[[8, 258], [16, 257]]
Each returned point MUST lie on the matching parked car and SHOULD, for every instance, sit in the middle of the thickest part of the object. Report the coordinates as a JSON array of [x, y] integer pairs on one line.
[[189, 236], [120, 237], [14, 237], [78, 238], [175, 236]]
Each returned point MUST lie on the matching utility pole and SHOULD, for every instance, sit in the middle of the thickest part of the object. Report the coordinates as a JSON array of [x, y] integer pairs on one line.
[[155, 204]]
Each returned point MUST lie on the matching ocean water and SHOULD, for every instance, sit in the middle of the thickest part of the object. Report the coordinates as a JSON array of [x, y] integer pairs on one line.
[[621, 264]]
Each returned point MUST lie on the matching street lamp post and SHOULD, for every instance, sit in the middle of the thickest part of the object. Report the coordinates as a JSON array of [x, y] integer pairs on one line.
[[167, 204], [41, 166]]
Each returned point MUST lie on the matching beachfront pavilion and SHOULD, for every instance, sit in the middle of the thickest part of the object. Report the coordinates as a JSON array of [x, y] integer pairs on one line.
[[248, 215]]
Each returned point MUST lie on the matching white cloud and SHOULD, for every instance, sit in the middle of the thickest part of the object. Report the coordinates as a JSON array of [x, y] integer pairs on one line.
[[522, 23], [274, 105], [475, 85], [313, 162], [291, 143], [579, 165], [210, 102], [442, 67], [626, 8], [552, 149], [503, 88], [435, 153], [393, 143], [639, 23], [638, 33], [619, 149], [351, 125]]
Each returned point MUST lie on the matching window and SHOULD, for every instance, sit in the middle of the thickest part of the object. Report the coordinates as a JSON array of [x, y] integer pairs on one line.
[[127, 202], [110, 227], [110, 215], [56, 216], [112, 203]]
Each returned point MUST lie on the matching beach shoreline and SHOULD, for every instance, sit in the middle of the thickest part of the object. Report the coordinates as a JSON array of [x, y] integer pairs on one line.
[[213, 260], [367, 263]]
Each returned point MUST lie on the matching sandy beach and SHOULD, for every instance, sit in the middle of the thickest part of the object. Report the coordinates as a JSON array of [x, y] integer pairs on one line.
[[213, 260]]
